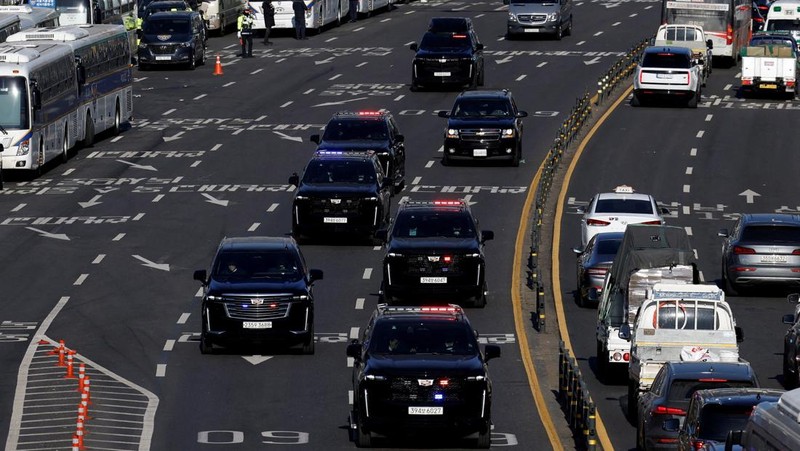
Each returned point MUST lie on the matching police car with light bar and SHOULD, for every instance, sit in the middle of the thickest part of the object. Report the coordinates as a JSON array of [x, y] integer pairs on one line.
[[341, 192], [612, 212], [434, 251], [420, 368]]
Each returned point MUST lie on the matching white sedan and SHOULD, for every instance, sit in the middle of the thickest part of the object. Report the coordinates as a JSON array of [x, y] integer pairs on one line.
[[612, 212]]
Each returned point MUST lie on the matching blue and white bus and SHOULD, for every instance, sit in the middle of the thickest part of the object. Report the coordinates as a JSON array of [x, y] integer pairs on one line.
[[52, 113], [32, 16]]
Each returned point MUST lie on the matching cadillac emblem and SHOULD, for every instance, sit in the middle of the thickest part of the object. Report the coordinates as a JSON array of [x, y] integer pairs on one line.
[[336, 201], [425, 382], [433, 258], [256, 301]]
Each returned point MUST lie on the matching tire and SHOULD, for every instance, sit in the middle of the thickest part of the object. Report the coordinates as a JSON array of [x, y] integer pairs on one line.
[[308, 345], [363, 438], [790, 381], [568, 31], [633, 392], [692, 103], [65, 148], [88, 134], [39, 160], [484, 440], [202, 61], [517, 157], [640, 436], [115, 129], [481, 76], [559, 33], [602, 363], [206, 345], [479, 301], [636, 101], [730, 288], [473, 83], [338, 22]]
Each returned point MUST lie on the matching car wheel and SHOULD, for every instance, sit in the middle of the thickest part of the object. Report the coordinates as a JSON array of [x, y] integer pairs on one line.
[[473, 83], [308, 345], [633, 392], [559, 33], [65, 149], [601, 363], [202, 61], [640, 436], [568, 31], [692, 103], [88, 132], [730, 287], [479, 301], [363, 438], [115, 129], [790, 379], [206, 345], [635, 100], [192, 62], [481, 77], [484, 440], [517, 157]]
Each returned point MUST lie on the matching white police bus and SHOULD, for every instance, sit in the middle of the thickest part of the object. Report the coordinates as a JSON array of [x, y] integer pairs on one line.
[[319, 13], [60, 87]]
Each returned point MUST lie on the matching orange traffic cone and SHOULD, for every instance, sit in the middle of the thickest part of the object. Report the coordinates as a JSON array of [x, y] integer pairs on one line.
[[218, 67]]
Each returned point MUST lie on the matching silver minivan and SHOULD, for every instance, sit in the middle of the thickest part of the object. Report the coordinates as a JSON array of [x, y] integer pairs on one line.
[[552, 17]]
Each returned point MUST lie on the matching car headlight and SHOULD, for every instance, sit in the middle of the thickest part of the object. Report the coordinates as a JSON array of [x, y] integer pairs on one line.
[[187, 44], [24, 147], [142, 45], [552, 17], [300, 197], [394, 254], [476, 378], [512, 17], [213, 298], [375, 377], [452, 133], [373, 199], [508, 133]]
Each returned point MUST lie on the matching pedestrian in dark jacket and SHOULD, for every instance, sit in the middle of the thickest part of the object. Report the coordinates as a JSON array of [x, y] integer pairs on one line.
[[353, 10], [269, 19], [300, 8]]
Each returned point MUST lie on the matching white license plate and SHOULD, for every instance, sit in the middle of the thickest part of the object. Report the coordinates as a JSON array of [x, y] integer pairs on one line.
[[163, 57], [426, 410], [773, 259], [334, 220], [531, 30], [478, 152], [666, 76], [433, 280], [441, 74], [257, 325]]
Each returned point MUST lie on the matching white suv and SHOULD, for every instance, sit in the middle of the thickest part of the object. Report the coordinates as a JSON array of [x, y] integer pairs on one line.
[[667, 72]]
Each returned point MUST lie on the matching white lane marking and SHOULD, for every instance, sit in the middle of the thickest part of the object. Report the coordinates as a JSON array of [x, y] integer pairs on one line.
[[688, 230], [141, 215], [702, 277], [440, 149], [237, 131], [377, 248], [700, 134], [648, 7], [409, 12], [280, 60], [687, 188], [286, 104], [360, 303], [361, 64], [116, 138], [19, 207], [408, 43], [708, 117], [309, 91], [694, 251], [158, 198], [349, 392], [169, 345], [82, 278], [728, 87], [598, 33], [228, 84], [199, 292], [615, 24], [200, 96], [272, 208], [168, 112], [69, 171], [686, 210], [689, 170], [399, 97], [738, 75], [184, 317], [232, 45], [253, 227], [501, 38], [581, 43], [119, 237], [196, 164], [354, 333], [367, 273], [416, 180], [256, 71], [331, 39], [521, 77], [161, 370], [429, 164], [216, 147], [542, 64], [634, 15], [480, 15], [335, 77], [693, 152], [385, 20], [98, 259], [358, 29]]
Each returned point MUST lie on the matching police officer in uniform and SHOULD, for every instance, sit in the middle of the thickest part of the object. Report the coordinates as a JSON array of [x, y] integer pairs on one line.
[[245, 26]]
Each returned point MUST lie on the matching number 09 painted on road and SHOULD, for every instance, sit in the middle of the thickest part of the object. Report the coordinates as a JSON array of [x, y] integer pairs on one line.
[[236, 437]]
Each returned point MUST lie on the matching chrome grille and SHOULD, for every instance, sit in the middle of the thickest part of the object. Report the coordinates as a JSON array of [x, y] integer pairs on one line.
[[434, 264], [335, 206], [406, 389], [531, 18], [164, 49], [480, 135]]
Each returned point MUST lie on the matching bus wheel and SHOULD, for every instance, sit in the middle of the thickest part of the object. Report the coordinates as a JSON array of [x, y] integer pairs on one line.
[[65, 149], [88, 136], [115, 129]]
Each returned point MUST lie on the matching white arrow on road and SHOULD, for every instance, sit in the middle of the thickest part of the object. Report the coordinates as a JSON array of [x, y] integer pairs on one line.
[[325, 61], [138, 166], [256, 359], [105, 190], [594, 60], [290, 138], [749, 194], [57, 236], [173, 137], [341, 102], [92, 202], [149, 264], [213, 200], [468, 200], [504, 60]]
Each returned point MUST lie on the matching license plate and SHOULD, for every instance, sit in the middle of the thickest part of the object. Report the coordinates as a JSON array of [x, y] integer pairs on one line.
[[334, 220], [433, 280], [773, 259], [531, 30], [257, 325], [665, 76], [163, 57], [769, 86], [478, 152], [441, 74], [426, 410]]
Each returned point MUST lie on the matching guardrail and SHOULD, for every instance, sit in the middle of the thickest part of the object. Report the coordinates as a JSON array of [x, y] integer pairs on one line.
[[575, 400]]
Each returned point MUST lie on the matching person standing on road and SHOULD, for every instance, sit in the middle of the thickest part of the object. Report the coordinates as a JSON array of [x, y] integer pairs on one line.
[[353, 10], [300, 8], [245, 26], [269, 19]]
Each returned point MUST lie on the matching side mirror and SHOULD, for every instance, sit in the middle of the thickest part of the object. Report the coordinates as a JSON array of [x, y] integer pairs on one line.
[[739, 334], [625, 332], [36, 97], [522, 114], [788, 319], [382, 235], [577, 250], [723, 233], [315, 139], [671, 425], [400, 138], [294, 179], [793, 298], [709, 44], [486, 235], [314, 275], [413, 46], [354, 349], [665, 211], [581, 210], [593, 295], [479, 46], [491, 352], [443, 113], [201, 275], [733, 438]]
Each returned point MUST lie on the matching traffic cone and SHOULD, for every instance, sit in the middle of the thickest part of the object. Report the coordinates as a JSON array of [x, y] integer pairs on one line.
[[218, 67], [57, 349], [70, 373], [79, 431], [61, 353], [81, 376]]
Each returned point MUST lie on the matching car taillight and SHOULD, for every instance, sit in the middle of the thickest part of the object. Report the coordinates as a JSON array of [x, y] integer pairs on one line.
[[597, 271], [447, 259], [796, 252], [697, 444], [663, 410], [738, 250], [729, 37], [597, 222], [712, 379], [652, 222]]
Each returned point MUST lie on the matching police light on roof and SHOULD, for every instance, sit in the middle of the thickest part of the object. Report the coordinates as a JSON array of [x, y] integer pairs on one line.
[[330, 152], [438, 309], [623, 189], [450, 203], [369, 113], [459, 36]]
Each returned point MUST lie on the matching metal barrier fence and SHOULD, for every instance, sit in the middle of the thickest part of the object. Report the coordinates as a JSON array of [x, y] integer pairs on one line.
[[575, 400]]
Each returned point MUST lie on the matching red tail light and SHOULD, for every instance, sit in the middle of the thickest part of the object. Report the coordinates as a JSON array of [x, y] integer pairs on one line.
[[729, 37], [697, 444], [667, 440], [597, 222], [712, 379], [796, 252], [444, 382], [652, 223], [663, 410], [739, 250], [447, 259]]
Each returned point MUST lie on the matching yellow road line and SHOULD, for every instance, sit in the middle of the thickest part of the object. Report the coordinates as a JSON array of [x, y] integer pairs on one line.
[[602, 434], [520, 323]]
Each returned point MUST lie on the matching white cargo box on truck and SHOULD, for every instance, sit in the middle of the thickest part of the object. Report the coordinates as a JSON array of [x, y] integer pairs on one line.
[[769, 68]]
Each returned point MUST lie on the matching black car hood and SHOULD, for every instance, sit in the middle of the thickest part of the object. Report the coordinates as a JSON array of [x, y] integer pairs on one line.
[[170, 38], [444, 52], [263, 286], [433, 244], [342, 190], [424, 364], [477, 122], [356, 144]]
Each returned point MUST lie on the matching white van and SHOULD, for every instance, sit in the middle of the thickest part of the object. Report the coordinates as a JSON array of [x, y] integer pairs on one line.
[[784, 15], [221, 14], [772, 426]]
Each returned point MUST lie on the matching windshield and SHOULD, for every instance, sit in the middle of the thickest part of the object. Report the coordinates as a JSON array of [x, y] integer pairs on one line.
[[426, 224], [716, 421], [683, 389], [771, 234], [439, 41], [73, 4], [14, 103], [667, 60], [360, 172], [167, 26], [712, 16], [636, 206], [422, 336], [481, 108], [608, 247], [783, 25], [255, 265], [345, 130]]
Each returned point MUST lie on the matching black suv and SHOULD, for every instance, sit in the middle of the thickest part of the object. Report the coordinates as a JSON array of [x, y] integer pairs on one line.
[[483, 125], [434, 250], [258, 289], [341, 192], [448, 57], [172, 37], [368, 130], [420, 368]]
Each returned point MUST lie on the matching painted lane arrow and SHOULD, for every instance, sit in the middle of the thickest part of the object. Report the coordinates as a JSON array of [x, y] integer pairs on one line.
[[92, 202], [594, 60], [341, 102], [57, 236], [325, 61], [468, 200], [290, 138], [504, 60], [256, 359], [749, 194], [105, 190], [138, 166], [149, 264], [173, 137], [213, 200]]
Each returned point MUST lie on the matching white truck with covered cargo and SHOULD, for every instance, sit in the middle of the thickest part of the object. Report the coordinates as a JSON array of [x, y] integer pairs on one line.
[[770, 67], [679, 322], [649, 254], [693, 38]]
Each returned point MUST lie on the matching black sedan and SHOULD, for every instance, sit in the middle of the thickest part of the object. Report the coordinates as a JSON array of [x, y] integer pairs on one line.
[[594, 261]]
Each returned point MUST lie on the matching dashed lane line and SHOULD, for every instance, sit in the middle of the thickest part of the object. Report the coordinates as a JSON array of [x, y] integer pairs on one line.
[[272, 207], [360, 303], [689, 170], [169, 345], [254, 227], [119, 237], [367, 273], [82, 278], [19, 207], [98, 259]]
